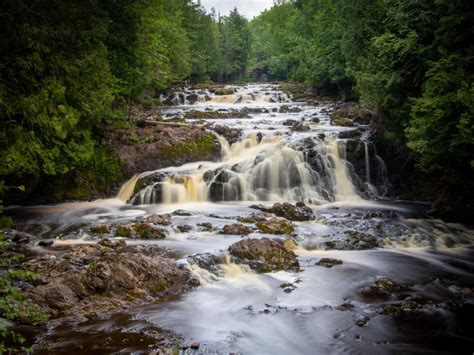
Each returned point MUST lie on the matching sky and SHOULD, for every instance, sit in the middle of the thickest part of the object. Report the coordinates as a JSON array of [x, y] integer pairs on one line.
[[248, 8]]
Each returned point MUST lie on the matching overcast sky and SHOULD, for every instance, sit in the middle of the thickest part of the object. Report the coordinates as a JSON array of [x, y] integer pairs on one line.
[[248, 8]]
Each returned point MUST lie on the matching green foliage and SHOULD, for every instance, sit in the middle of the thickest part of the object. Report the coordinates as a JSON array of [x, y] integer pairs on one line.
[[235, 40], [412, 61], [13, 305]]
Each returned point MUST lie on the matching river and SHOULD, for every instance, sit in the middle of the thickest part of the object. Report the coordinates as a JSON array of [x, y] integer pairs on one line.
[[318, 310]]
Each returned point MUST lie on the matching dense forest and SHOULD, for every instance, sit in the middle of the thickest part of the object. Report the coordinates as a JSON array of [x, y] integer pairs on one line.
[[67, 68], [412, 61]]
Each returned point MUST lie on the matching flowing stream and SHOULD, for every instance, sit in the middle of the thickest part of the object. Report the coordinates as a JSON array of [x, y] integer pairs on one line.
[[239, 311]]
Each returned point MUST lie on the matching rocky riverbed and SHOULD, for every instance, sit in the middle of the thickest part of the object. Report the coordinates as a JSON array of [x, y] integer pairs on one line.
[[288, 242]]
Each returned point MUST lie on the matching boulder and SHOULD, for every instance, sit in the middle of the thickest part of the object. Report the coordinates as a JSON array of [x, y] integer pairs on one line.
[[57, 297], [184, 228], [341, 121], [163, 219], [275, 225], [381, 289], [352, 240], [99, 229], [264, 255], [182, 213], [124, 231], [353, 133], [232, 135], [237, 229], [192, 98], [205, 227], [147, 231], [206, 261], [298, 212], [300, 127], [289, 122]]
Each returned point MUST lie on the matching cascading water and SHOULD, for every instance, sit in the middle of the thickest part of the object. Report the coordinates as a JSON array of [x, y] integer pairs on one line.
[[269, 170], [236, 310]]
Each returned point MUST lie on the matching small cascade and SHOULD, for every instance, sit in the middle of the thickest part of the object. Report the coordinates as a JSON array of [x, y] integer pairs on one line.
[[344, 188], [367, 162], [126, 191], [241, 95]]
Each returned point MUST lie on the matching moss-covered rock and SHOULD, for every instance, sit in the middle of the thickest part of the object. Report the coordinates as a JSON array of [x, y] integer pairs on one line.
[[124, 231], [275, 225], [341, 121], [298, 212], [223, 91], [99, 229], [147, 231], [163, 219], [236, 229], [264, 255], [184, 228]]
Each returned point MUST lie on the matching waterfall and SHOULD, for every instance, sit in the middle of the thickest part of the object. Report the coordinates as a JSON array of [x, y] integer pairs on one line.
[[265, 170]]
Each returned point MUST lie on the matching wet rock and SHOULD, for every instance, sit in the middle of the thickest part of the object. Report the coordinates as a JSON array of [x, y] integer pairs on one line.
[[346, 306], [352, 240], [182, 213], [54, 296], [340, 121], [128, 271], [275, 225], [381, 289], [124, 231], [237, 229], [192, 98], [329, 262], [362, 321], [264, 255], [194, 345], [289, 122], [106, 242], [354, 133], [206, 261], [251, 219], [401, 309], [184, 228], [288, 287], [315, 120], [287, 109], [18, 237], [99, 229], [46, 243], [163, 219], [298, 212], [300, 127], [148, 231], [206, 227], [232, 135]]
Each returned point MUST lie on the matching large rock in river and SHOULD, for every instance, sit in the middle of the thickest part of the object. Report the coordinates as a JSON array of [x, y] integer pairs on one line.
[[264, 255], [275, 225], [298, 212]]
